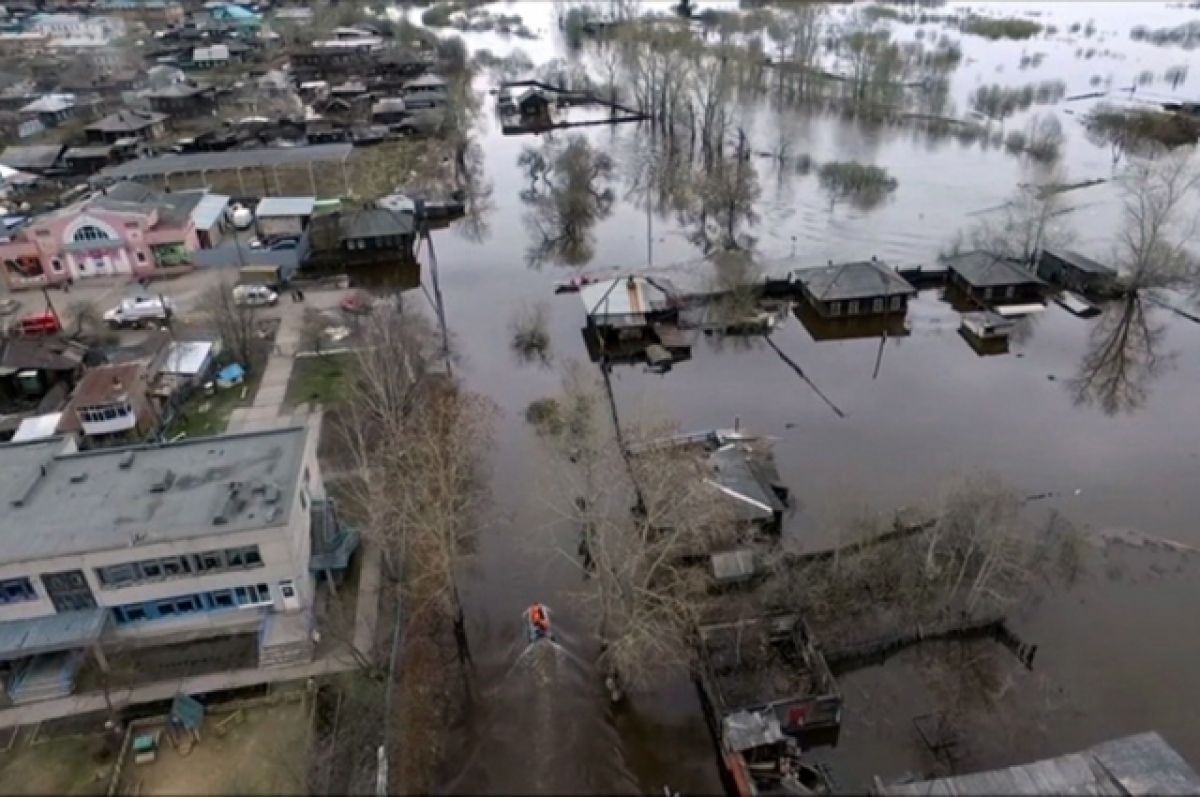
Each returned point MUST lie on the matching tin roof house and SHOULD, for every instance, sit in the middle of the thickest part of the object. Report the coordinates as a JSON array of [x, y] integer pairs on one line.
[[631, 302], [1077, 272], [865, 287], [992, 279]]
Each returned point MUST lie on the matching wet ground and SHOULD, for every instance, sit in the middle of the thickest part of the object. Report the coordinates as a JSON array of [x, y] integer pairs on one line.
[[924, 410]]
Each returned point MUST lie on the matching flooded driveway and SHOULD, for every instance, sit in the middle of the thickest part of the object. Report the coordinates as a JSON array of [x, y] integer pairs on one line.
[[915, 410]]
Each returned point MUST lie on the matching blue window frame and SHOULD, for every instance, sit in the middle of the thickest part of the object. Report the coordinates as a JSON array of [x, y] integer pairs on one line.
[[244, 597], [16, 590]]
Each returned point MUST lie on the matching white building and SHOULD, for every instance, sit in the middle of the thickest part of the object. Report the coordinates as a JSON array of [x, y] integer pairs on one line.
[[65, 30], [157, 545]]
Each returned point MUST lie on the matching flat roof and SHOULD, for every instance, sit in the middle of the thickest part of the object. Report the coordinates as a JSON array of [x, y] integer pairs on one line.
[[208, 210], [232, 159], [60, 504], [54, 632], [186, 357], [276, 206]]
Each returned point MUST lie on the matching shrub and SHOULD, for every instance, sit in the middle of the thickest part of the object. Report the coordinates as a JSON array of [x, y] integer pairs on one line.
[[864, 185], [990, 28]]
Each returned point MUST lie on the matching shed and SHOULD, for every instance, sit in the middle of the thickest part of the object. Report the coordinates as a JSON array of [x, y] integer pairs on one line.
[[534, 104], [865, 287], [209, 57], [1077, 272], [284, 215], [991, 278], [189, 358], [210, 220]]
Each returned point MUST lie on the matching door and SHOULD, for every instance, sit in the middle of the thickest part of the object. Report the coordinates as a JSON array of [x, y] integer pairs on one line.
[[68, 591]]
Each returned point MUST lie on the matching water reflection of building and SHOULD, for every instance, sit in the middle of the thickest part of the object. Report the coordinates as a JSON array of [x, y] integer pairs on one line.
[[892, 325]]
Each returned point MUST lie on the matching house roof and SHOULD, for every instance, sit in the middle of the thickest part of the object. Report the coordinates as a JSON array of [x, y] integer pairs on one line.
[[275, 206], [735, 476], [388, 105], [1081, 262], [375, 223], [126, 120], [120, 498], [1140, 764], [88, 152], [105, 384], [983, 270], [426, 82], [38, 156], [232, 159], [858, 280], [50, 103], [41, 354], [625, 296], [215, 52]]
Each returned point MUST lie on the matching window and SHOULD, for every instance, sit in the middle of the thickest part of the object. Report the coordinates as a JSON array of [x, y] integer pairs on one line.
[[252, 595], [174, 566], [835, 308], [151, 569], [91, 233], [287, 589], [56, 264], [852, 307], [1009, 291], [141, 257], [303, 501], [987, 293], [210, 560], [117, 575], [16, 590], [222, 599], [877, 305], [894, 303], [135, 613]]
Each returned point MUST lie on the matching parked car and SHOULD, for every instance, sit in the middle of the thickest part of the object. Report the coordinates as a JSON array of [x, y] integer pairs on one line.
[[254, 296], [37, 324], [140, 311]]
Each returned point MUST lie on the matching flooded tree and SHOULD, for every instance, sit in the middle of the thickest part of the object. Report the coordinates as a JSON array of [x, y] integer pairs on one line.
[[796, 31], [1124, 356], [568, 193], [642, 509], [1157, 224], [1044, 137], [728, 191], [1028, 222], [530, 338], [1139, 131], [865, 186]]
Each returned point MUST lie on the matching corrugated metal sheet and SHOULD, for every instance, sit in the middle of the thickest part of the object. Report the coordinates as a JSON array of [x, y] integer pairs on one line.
[[276, 206], [55, 632]]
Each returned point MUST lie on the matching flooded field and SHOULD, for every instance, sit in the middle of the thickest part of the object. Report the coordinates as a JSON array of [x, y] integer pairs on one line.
[[1104, 434]]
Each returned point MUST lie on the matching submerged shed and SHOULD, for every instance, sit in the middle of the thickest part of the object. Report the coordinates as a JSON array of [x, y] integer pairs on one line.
[[627, 302]]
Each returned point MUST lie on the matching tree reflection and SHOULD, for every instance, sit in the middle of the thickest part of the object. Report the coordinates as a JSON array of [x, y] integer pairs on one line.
[[568, 193], [476, 194], [1123, 358]]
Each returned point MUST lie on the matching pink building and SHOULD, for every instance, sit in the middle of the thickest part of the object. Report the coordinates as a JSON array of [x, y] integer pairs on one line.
[[130, 230]]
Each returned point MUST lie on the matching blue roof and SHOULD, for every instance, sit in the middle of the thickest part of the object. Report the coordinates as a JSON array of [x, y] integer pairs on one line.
[[234, 11], [231, 373], [188, 712]]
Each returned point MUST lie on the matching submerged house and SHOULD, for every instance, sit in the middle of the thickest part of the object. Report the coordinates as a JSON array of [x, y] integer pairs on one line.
[[1077, 272], [627, 304], [991, 279], [865, 287], [767, 695]]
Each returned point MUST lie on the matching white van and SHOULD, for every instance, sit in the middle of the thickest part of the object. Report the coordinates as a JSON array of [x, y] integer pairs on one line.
[[254, 296], [139, 311]]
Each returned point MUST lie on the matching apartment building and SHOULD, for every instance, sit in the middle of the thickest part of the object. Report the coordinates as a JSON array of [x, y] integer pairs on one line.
[[155, 545]]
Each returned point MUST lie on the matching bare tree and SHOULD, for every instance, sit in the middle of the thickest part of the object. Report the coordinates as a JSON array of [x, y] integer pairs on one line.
[[642, 516], [235, 324], [1028, 223], [1157, 225]]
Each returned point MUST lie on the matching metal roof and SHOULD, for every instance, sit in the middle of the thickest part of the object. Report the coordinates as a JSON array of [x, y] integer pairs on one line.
[[118, 498], [31, 157], [983, 270], [208, 210], [216, 52], [233, 159], [126, 120], [187, 357], [275, 206], [863, 279], [50, 103], [734, 476], [624, 296], [37, 427], [1081, 262], [54, 632], [375, 223], [1140, 764]]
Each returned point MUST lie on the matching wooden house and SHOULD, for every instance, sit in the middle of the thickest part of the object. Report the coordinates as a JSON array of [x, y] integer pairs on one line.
[[991, 279], [1077, 272]]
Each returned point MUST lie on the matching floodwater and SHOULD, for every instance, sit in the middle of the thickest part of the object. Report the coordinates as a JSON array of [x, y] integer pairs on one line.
[[916, 410]]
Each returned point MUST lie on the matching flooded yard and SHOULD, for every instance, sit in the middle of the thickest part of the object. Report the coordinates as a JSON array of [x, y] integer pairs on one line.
[[1079, 416]]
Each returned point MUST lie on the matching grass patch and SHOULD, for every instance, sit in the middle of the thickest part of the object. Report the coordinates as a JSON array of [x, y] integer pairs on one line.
[[203, 415], [66, 765], [1010, 28], [317, 380]]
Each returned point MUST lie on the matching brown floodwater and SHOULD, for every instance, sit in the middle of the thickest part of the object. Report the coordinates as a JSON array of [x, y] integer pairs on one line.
[[1116, 653]]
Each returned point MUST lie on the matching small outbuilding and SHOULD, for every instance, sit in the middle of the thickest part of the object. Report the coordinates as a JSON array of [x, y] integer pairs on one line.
[[284, 215], [631, 302], [991, 279], [1077, 272]]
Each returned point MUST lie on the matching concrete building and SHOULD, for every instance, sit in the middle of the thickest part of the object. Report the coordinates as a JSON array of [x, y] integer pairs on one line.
[[66, 30], [155, 545], [129, 230]]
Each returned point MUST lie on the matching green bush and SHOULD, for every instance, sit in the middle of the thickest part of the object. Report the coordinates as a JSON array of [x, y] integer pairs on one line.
[[990, 28]]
